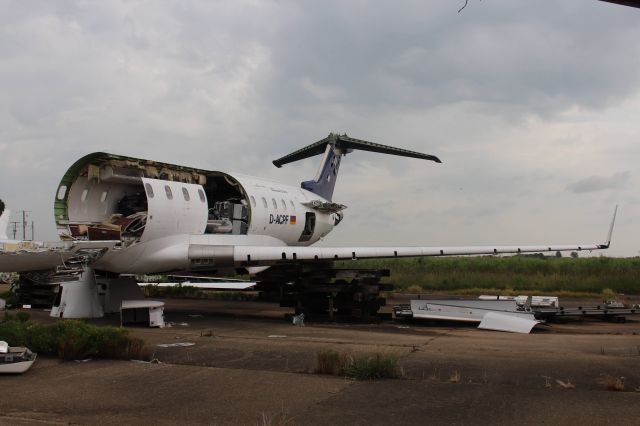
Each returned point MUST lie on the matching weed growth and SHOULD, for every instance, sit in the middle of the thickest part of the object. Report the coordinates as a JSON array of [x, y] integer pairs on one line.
[[9, 297], [70, 339], [329, 362], [514, 274], [358, 367]]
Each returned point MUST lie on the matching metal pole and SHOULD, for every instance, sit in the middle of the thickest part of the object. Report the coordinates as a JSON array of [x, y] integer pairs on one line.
[[15, 229], [24, 225]]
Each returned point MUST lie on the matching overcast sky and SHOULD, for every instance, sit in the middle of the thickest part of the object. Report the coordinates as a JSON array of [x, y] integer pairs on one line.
[[532, 106]]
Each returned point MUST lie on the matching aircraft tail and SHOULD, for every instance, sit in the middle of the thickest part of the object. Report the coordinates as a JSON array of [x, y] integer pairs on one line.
[[334, 148], [4, 221]]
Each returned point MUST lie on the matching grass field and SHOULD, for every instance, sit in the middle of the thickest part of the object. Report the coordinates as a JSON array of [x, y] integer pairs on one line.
[[515, 274]]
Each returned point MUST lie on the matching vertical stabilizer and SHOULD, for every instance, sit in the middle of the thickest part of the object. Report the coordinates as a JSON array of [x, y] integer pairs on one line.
[[325, 181]]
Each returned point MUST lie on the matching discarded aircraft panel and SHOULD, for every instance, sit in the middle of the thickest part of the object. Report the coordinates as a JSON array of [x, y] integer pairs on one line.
[[150, 312], [499, 321], [501, 315], [464, 310], [514, 314], [536, 301]]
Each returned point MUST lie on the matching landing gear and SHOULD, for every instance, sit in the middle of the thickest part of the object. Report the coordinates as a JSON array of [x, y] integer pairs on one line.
[[323, 292]]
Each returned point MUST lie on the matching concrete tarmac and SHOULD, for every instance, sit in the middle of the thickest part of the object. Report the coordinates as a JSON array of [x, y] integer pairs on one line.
[[249, 366]]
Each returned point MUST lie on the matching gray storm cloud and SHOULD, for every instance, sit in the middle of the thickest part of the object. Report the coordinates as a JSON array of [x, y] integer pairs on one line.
[[233, 85], [600, 183]]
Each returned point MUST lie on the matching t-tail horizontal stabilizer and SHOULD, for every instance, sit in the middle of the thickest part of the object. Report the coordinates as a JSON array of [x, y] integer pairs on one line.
[[334, 147]]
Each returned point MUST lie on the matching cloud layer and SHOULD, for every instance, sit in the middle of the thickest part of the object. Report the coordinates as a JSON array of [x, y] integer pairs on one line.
[[532, 107]]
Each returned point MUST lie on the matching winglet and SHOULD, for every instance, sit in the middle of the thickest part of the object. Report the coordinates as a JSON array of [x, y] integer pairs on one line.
[[613, 221]]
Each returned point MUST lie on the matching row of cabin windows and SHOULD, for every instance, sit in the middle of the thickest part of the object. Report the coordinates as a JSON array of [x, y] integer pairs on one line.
[[169, 193], [185, 193], [275, 203]]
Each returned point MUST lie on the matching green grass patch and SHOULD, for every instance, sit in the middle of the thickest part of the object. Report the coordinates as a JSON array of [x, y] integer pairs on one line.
[[358, 367], [511, 275], [72, 339], [9, 297]]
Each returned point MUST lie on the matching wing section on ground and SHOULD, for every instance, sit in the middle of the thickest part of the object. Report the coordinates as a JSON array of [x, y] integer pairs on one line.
[[35, 256]]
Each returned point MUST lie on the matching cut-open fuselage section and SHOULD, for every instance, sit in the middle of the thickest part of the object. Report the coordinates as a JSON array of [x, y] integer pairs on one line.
[[108, 197]]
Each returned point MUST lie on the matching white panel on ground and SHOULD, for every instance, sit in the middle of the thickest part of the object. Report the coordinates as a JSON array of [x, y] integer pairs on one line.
[[114, 291], [460, 310], [508, 322], [150, 312]]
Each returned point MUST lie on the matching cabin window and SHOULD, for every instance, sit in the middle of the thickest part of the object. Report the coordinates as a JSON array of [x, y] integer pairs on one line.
[[201, 194], [253, 201], [264, 202], [284, 205], [185, 194], [84, 194], [275, 204], [167, 191], [62, 191], [149, 190], [103, 197]]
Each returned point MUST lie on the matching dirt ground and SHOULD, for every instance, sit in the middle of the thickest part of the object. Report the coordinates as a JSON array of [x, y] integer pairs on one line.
[[249, 366]]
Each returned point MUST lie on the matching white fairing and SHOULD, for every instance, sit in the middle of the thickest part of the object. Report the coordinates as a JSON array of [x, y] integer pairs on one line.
[[78, 299], [4, 223], [174, 208]]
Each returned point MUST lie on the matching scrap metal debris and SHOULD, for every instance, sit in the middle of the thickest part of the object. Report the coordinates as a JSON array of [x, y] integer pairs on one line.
[[176, 345], [298, 320]]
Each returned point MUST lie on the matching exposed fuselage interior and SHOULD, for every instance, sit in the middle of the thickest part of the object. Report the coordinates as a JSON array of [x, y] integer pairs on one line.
[[109, 198]]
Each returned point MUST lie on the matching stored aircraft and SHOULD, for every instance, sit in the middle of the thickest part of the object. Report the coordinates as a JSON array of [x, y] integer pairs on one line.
[[119, 215]]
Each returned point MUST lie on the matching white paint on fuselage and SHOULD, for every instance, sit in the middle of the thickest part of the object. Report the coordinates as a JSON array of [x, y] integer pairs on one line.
[[272, 206], [174, 208], [177, 216]]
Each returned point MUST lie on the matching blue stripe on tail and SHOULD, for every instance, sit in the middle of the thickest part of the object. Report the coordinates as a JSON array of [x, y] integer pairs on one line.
[[325, 181]]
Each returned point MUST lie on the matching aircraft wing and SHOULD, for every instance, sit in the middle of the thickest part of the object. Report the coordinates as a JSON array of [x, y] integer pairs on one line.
[[263, 255], [35, 256]]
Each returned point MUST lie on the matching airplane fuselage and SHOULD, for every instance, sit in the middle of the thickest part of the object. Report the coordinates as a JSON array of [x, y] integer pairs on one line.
[[165, 209]]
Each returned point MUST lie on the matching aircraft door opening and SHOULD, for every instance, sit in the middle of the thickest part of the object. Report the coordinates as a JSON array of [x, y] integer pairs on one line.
[[309, 226]]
